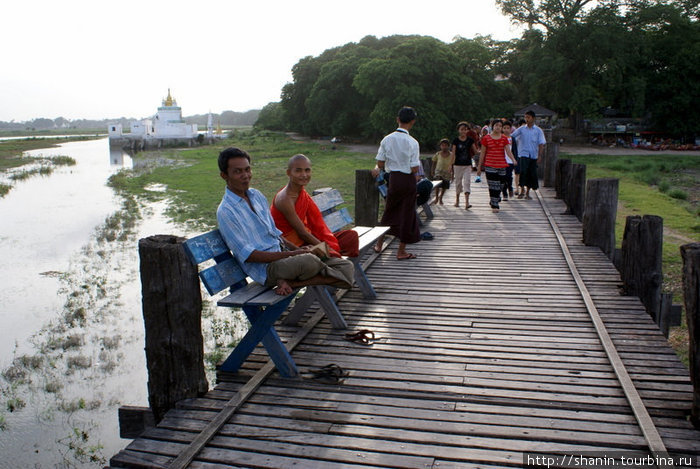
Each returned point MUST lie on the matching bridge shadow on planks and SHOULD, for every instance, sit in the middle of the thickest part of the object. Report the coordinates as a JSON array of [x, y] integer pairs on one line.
[[484, 351]]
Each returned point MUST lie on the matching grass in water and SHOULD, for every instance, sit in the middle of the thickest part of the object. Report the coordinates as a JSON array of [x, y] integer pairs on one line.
[[45, 167]]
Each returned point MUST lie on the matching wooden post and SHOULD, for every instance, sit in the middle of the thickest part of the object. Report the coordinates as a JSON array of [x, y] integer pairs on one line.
[[426, 163], [542, 165], [576, 192], [172, 310], [366, 199], [599, 214], [563, 167], [641, 260], [551, 155], [691, 293], [665, 313]]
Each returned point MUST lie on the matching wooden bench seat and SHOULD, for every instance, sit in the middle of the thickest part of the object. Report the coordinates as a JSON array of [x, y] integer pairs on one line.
[[261, 305], [328, 201]]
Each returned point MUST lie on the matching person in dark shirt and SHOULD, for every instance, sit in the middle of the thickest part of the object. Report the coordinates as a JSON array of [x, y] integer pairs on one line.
[[463, 148]]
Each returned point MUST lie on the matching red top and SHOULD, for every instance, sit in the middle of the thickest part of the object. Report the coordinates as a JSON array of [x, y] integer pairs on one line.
[[495, 151], [312, 219]]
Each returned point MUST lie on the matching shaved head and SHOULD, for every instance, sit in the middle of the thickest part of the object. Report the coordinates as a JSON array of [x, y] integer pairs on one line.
[[296, 158]]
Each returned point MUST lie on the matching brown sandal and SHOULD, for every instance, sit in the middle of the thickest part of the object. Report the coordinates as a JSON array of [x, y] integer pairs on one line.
[[363, 337]]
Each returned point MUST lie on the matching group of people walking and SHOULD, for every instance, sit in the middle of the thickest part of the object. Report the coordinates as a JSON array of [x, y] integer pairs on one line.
[[276, 245], [500, 149]]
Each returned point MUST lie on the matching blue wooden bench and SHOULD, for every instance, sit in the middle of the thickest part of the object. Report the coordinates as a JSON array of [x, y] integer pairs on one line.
[[328, 201], [261, 304]]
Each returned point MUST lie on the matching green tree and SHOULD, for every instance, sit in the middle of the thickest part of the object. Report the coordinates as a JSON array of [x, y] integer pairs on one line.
[[671, 69], [272, 117], [422, 72]]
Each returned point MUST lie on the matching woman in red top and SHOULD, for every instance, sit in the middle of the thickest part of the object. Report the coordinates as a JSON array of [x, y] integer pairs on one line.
[[492, 159]]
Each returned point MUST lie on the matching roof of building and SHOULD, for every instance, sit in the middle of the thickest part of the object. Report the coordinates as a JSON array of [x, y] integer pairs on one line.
[[540, 111]]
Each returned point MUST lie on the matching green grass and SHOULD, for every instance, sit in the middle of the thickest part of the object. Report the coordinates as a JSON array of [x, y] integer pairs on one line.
[[195, 186], [664, 185], [11, 158], [11, 150]]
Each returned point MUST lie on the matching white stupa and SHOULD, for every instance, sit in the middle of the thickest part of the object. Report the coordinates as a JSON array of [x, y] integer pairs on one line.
[[166, 124]]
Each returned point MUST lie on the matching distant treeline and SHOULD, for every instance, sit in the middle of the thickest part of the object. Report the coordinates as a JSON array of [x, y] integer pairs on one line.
[[584, 59], [226, 118]]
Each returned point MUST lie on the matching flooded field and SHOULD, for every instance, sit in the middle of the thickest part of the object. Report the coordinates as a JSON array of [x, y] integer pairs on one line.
[[72, 337]]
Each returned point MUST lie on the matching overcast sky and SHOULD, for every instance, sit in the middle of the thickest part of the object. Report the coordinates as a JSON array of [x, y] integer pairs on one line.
[[95, 59]]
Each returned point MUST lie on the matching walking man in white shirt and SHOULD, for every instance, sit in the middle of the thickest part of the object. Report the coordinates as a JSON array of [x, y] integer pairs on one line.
[[399, 155]]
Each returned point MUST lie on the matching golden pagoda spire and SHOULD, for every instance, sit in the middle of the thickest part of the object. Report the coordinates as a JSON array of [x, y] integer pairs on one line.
[[169, 100]]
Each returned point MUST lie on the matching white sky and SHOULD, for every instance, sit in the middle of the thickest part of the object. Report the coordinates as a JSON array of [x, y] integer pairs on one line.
[[96, 59]]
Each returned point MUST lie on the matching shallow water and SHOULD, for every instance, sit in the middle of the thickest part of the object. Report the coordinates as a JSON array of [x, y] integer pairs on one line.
[[72, 336], [44, 221]]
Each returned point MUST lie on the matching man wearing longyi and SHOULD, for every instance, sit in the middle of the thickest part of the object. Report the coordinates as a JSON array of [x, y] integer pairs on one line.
[[299, 219]]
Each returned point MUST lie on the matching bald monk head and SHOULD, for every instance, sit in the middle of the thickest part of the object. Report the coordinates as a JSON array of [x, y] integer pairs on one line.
[[299, 171]]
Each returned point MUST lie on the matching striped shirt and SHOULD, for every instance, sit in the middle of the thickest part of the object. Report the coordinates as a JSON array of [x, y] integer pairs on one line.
[[246, 230], [495, 151]]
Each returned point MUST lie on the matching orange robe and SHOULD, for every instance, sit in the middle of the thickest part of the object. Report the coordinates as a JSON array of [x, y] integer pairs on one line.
[[344, 242]]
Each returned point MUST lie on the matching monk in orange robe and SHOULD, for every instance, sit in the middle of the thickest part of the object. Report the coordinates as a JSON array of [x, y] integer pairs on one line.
[[299, 219]]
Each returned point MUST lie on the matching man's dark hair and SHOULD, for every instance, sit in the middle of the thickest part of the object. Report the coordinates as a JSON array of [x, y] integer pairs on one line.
[[227, 154], [530, 112], [407, 114], [508, 123]]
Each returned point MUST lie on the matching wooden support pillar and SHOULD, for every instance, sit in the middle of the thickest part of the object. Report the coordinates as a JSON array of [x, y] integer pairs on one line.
[[576, 193], [551, 155], [172, 310], [366, 199], [691, 293], [426, 163], [599, 214], [563, 167], [669, 314], [641, 260]]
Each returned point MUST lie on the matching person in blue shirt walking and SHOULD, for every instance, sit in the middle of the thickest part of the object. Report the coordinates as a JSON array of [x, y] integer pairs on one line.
[[250, 233], [530, 142]]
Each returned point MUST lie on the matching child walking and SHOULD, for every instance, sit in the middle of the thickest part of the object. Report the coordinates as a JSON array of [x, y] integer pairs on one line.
[[441, 168]]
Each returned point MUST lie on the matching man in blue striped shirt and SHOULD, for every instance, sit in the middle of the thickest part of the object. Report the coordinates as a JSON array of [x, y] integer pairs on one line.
[[247, 227]]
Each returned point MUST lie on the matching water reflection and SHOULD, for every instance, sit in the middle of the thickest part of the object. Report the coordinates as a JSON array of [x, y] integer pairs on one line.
[[44, 221], [72, 335], [117, 157]]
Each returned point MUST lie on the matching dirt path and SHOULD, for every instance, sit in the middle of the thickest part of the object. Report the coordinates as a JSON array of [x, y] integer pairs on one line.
[[567, 149]]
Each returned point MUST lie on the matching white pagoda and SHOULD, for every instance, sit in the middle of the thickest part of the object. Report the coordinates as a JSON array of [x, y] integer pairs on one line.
[[165, 125]]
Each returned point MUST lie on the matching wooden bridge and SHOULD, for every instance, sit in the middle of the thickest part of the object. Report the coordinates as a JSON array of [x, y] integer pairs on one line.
[[505, 337]]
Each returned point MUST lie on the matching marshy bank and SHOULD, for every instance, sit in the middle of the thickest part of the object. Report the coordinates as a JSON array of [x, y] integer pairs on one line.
[[72, 348]]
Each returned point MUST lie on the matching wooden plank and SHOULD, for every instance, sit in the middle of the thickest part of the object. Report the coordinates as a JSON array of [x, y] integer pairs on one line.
[[470, 368]]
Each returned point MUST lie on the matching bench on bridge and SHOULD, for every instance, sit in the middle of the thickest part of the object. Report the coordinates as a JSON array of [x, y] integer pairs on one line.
[[261, 305], [328, 200], [382, 186]]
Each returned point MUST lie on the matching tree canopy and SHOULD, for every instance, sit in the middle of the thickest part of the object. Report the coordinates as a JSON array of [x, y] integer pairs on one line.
[[577, 57]]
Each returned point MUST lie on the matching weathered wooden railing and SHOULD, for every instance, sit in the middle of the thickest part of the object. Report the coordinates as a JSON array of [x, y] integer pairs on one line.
[[639, 260]]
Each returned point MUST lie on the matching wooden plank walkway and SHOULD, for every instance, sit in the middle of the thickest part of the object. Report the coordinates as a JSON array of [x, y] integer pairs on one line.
[[486, 351]]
